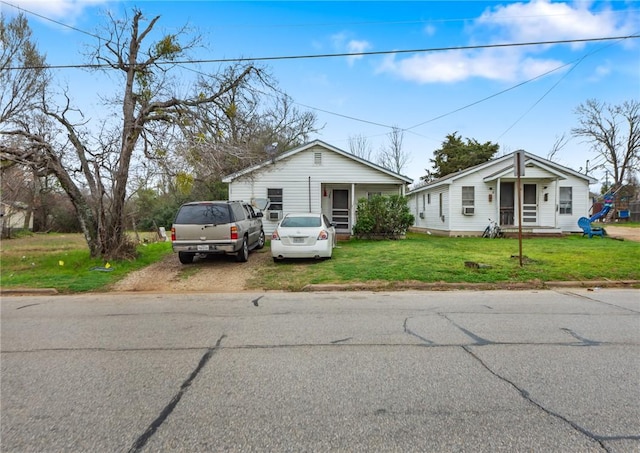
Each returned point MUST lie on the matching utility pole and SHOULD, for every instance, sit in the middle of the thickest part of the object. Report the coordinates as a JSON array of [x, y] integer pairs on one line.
[[519, 172]]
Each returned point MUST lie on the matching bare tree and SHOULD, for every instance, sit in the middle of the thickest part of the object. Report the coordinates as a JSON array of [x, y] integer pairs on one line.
[[360, 146], [614, 134], [557, 146], [242, 128], [22, 70], [393, 157], [148, 103]]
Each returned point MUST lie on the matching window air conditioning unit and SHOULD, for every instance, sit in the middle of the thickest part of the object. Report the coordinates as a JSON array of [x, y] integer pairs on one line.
[[274, 215], [468, 210]]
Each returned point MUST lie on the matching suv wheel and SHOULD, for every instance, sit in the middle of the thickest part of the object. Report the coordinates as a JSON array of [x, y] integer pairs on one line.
[[243, 253], [260, 240], [185, 258]]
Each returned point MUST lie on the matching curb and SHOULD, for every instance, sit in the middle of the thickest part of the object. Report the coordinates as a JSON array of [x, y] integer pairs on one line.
[[28, 291], [404, 286], [443, 286]]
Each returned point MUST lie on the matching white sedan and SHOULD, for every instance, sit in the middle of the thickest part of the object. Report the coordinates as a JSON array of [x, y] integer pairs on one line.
[[303, 236]]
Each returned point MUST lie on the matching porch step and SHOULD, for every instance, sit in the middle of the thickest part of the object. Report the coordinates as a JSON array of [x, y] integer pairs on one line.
[[532, 231]]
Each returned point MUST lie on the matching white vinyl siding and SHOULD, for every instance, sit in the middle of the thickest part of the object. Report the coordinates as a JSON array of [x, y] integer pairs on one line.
[[308, 187], [549, 179]]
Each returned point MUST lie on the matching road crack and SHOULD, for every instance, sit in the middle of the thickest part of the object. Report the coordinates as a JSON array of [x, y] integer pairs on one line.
[[527, 396], [168, 409]]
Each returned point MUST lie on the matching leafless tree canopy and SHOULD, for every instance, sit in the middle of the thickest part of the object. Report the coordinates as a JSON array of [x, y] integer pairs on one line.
[[216, 123], [393, 157], [613, 131], [557, 146], [360, 146]]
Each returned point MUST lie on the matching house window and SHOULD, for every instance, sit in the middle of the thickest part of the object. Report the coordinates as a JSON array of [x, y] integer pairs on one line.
[[468, 195], [566, 205], [317, 158], [275, 198], [440, 211], [428, 198], [423, 205], [370, 195]]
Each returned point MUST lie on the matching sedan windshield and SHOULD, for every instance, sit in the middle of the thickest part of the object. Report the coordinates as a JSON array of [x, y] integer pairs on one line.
[[300, 222]]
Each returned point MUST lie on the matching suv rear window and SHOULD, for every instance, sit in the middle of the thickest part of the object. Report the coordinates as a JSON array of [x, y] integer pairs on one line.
[[214, 213]]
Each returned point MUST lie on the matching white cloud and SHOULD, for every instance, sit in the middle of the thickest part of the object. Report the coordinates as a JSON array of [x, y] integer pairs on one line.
[[343, 44], [457, 66], [539, 20], [355, 46], [60, 10], [429, 30], [601, 72]]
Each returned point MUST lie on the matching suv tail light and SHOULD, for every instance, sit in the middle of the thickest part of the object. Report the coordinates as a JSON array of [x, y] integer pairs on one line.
[[275, 236], [323, 236], [173, 234], [234, 232]]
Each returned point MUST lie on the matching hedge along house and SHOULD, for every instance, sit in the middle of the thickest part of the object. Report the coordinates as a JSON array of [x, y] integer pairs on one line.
[[553, 198], [314, 177]]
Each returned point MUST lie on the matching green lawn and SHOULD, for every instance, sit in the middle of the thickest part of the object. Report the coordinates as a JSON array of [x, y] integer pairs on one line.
[[423, 258], [61, 261]]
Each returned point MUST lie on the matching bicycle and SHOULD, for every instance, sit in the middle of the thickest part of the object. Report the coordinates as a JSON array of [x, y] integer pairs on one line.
[[493, 230]]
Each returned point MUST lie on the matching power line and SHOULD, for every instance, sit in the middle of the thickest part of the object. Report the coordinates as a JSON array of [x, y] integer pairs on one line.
[[51, 20], [342, 54]]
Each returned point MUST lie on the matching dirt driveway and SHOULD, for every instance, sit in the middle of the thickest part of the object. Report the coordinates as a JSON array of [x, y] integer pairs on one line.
[[223, 274], [217, 274]]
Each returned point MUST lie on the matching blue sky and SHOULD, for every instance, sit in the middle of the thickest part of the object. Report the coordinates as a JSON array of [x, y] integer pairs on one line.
[[521, 97]]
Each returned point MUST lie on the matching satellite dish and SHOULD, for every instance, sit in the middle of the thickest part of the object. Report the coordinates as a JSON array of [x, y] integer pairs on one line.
[[271, 149]]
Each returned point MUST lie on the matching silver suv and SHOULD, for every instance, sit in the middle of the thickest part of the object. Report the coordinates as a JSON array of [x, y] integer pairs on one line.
[[216, 227]]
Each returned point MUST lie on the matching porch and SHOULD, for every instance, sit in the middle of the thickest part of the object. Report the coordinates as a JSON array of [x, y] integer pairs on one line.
[[511, 231]]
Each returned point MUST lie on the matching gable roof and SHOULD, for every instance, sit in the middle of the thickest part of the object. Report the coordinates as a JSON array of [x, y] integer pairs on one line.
[[506, 168], [306, 146]]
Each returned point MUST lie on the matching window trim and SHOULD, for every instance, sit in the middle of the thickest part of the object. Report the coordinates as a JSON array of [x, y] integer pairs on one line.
[[277, 199], [469, 201], [565, 206]]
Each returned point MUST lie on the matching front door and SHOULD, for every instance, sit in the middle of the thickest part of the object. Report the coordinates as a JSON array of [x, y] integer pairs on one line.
[[507, 203], [340, 210], [529, 204]]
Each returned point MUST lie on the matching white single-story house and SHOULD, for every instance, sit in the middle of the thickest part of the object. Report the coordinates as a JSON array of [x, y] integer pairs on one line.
[[15, 216], [314, 177], [553, 198]]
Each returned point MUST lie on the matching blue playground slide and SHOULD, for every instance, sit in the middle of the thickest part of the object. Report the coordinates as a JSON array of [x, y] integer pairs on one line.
[[608, 204]]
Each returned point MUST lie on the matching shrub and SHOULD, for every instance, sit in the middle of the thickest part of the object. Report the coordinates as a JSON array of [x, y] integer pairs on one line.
[[383, 216]]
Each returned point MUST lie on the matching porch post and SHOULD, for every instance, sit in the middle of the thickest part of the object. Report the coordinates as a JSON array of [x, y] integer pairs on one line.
[[499, 215], [352, 214], [556, 201]]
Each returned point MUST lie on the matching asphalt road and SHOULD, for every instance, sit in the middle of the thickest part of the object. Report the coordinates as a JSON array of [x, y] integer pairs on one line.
[[343, 371]]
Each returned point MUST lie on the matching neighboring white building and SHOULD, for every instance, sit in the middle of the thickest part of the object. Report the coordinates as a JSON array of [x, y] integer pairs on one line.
[[315, 177], [553, 198], [15, 216]]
